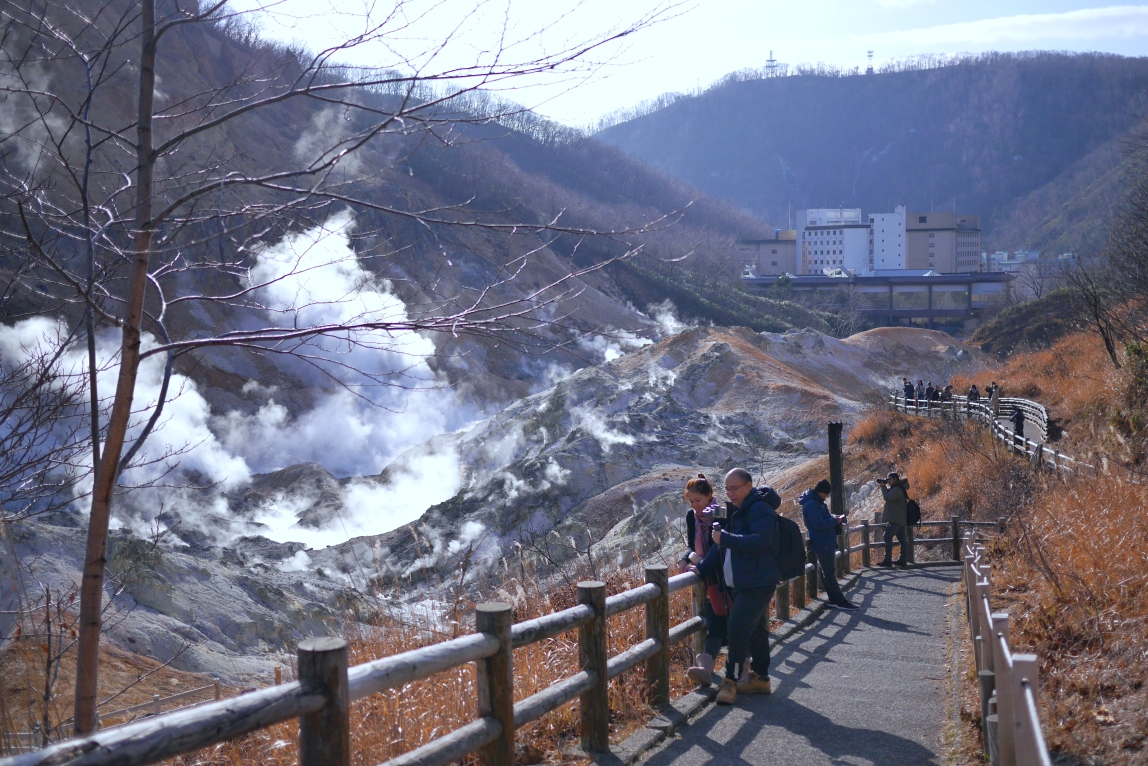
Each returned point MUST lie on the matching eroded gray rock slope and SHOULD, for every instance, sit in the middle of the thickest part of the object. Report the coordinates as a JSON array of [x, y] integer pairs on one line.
[[602, 456]]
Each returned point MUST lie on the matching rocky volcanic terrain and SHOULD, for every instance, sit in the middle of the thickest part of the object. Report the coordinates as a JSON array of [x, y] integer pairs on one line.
[[598, 459]]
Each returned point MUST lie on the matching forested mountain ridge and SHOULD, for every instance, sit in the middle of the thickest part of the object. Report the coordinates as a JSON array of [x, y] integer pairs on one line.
[[1016, 138]]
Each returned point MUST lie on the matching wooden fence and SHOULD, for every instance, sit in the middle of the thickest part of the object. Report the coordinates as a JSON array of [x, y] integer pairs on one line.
[[321, 698], [1009, 683], [1035, 414]]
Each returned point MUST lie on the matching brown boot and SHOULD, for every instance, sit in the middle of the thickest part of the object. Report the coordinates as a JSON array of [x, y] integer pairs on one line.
[[755, 684], [703, 670], [727, 695]]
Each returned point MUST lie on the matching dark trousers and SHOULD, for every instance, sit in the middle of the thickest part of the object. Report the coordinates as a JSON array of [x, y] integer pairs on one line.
[[829, 575], [748, 631], [897, 530], [716, 629]]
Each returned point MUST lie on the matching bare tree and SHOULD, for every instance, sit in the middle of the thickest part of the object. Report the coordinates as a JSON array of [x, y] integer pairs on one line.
[[135, 204]]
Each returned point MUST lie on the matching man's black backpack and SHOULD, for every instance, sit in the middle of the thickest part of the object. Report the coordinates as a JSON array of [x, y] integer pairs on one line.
[[790, 548], [913, 514]]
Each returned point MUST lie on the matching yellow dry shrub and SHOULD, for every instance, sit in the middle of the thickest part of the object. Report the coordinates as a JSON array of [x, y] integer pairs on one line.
[[928, 468]]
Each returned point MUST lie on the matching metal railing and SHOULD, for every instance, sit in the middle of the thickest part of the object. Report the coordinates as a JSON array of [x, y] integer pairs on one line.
[[1009, 683], [959, 407]]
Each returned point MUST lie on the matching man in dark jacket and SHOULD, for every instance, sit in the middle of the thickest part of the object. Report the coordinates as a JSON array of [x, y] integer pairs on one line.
[[910, 392], [822, 526], [1017, 419], [895, 490], [746, 551]]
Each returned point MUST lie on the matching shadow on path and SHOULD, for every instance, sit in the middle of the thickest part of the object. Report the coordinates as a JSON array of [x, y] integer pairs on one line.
[[853, 688]]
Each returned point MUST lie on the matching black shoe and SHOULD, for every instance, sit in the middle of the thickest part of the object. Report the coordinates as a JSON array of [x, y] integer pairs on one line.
[[886, 565], [901, 564], [847, 606]]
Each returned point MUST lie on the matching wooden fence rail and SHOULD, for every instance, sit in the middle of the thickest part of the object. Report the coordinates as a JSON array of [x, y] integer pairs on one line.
[[1009, 683], [321, 697]]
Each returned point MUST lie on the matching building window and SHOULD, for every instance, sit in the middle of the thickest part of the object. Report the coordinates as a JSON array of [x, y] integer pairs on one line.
[[922, 219], [932, 236], [774, 263]]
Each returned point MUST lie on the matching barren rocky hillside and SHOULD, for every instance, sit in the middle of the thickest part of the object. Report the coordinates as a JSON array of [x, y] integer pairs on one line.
[[599, 458]]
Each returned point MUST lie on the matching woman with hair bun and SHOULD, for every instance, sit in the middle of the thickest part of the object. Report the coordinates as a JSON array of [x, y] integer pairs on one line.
[[699, 525]]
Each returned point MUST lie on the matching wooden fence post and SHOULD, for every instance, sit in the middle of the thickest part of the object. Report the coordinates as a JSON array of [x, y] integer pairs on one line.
[[956, 538], [836, 484], [812, 576], [992, 726], [866, 559], [700, 599], [797, 592], [911, 546], [783, 600], [325, 735], [658, 628], [496, 681], [592, 657], [1006, 704]]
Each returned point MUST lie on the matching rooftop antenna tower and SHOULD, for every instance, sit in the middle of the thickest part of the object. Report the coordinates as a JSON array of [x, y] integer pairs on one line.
[[771, 66], [869, 69]]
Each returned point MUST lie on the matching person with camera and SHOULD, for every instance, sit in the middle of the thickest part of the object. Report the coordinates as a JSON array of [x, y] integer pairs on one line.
[[895, 490], [745, 550], [701, 520], [823, 530]]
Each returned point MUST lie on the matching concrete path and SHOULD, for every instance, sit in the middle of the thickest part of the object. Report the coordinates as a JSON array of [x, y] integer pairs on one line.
[[857, 688]]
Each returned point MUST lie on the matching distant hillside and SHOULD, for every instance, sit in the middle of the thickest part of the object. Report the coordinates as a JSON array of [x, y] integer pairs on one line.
[[1030, 325], [1032, 142]]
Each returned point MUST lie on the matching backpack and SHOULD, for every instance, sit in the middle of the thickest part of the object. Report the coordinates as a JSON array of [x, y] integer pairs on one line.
[[790, 548], [913, 514]]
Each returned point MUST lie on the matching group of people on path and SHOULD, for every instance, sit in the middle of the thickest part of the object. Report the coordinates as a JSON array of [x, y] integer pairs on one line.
[[735, 550], [923, 396]]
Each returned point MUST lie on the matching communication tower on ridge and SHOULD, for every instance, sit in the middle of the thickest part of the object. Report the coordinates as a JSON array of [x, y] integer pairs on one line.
[[771, 66], [869, 69]]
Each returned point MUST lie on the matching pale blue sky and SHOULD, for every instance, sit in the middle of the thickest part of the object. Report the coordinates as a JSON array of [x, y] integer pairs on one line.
[[697, 42]]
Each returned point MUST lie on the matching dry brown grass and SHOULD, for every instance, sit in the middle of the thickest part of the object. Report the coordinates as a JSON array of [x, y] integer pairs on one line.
[[1073, 569], [387, 725]]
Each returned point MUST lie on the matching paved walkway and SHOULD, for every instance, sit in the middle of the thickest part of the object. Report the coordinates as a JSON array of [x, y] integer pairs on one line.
[[857, 688]]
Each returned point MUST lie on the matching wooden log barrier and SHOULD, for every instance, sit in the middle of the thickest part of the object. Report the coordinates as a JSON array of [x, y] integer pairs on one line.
[[658, 628], [496, 681], [592, 657], [325, 735]]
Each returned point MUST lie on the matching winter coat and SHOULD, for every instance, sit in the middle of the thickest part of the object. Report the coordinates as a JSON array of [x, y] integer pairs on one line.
[[909, 391], [750, 535], [715, 579], [819, 522], [896, 503]]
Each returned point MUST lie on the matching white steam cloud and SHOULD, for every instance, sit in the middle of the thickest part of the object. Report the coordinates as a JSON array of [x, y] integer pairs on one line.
[[308, 279]]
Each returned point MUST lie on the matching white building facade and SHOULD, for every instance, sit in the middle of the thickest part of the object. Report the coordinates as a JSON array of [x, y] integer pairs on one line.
[[830, 239], [887, 240]]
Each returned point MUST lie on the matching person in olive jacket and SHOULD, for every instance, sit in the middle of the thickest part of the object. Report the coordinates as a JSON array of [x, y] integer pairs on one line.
[[746, 552], [895, 490], [822, 528]]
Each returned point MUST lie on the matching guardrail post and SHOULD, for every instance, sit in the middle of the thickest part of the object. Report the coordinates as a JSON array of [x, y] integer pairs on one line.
[[866, 560], [592, 657], [700, 611], [910, 544], [812, 576], [992, 726], [218, 694], [956, 538], [1025, 673], [658, 628], [987, 682], [496, 681], [1006, 704], [156, 704], [325, 736], [783, 600], [797, 592]]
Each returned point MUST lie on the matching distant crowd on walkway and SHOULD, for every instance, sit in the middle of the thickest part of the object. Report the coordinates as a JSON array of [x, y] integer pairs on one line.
[[925, 397], [744, 550]]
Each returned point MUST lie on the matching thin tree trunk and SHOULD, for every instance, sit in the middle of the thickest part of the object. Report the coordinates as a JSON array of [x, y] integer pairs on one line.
[[92, 586]]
